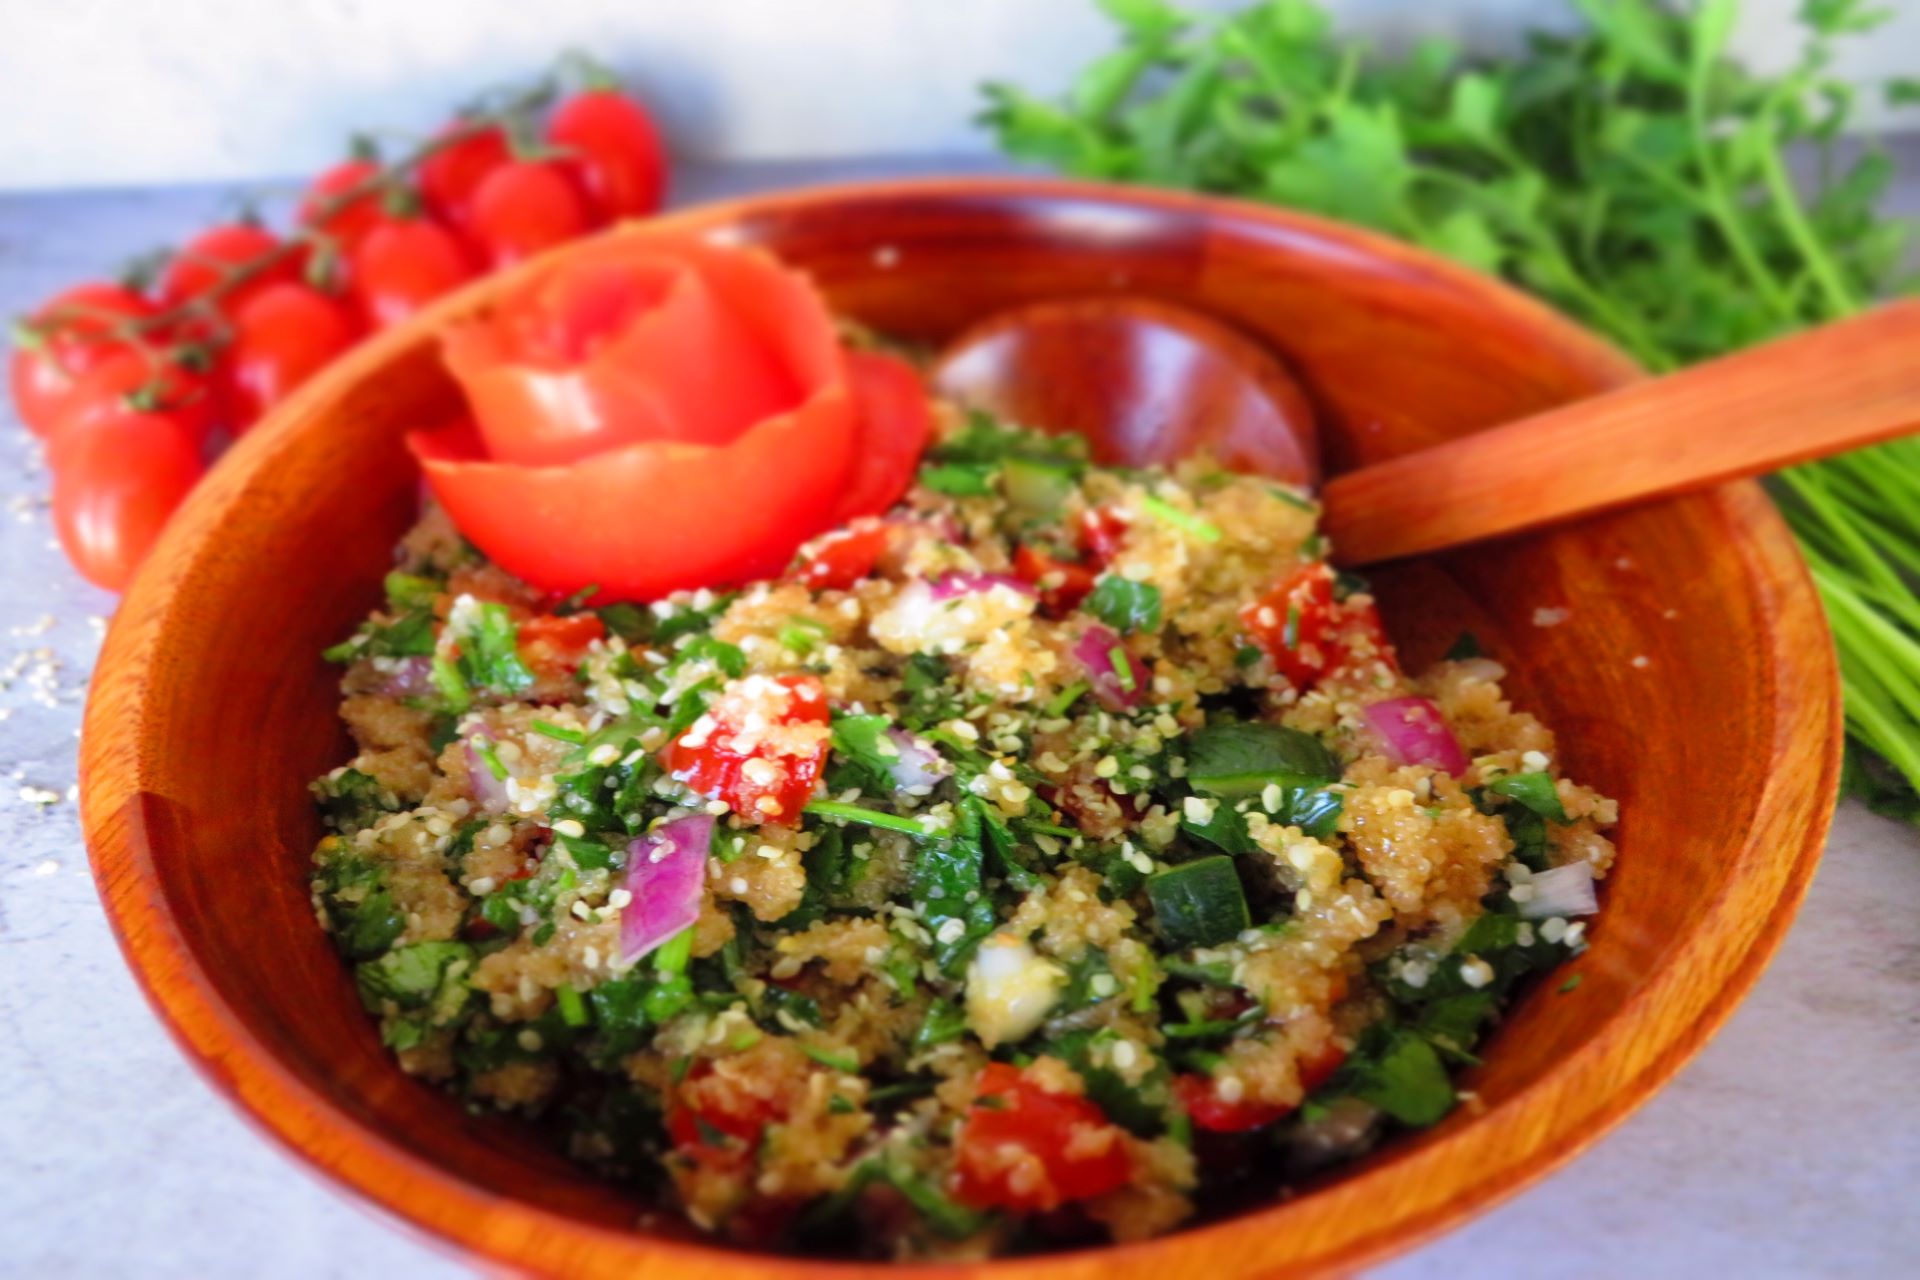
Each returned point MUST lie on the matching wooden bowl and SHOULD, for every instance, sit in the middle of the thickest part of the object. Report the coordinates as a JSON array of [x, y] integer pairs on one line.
[[1678, 649]]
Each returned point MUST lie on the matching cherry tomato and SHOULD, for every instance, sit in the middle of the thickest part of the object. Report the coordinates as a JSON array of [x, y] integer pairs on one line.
[[450, 176], [1309, 634], [1199, 1096], [554, 646], [114, 486], [523, 207], [131, 382], [759, 748], [835, 561], [351, 223], [282, 336], [1063, 583], [1025, 1148], [401, 266], [206, 260], [615, 153], [68, 340]]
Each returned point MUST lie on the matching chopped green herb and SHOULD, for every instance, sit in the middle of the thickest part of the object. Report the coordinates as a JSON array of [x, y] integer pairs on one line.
[[845, 1063], [489, 757], [1063, 701], [960, 480], [548, 729], [1122, 667], [1184, 521], [1125, 605], [573, 1009], [1534, 790], [1239, 759], [871, 817], [452, 685], [1573, 981], [1467, 645], [1199, 903]]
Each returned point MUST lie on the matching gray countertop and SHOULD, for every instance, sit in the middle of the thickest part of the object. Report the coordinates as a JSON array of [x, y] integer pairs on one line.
[[1790, 1147]]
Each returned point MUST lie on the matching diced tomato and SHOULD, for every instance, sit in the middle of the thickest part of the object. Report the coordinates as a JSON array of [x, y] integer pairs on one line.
[[760, 747], [1308, 634], [837, 560], [715, 1122], [1199, 1096], [552, 645], [1103, 531], [1025, 1148], [1063, 583]]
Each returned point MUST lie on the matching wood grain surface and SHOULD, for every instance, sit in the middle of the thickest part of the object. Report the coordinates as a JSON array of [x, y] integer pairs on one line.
[[1691, 677], [1842, 386]]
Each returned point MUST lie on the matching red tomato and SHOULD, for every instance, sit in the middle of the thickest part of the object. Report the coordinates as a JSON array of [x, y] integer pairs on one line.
[[131, 382], [614, 153], [1063, 584], [552, 645], [760, 747], [401, 266], [1199, 1096], [282, 337], [523, 207], [450, 176], [351, 223], [1103, 532], [211, 256], [835, 561], [895, 421], [114, 486], [69, 340], [716, 1122], [1032, 1150], [1308, 634]]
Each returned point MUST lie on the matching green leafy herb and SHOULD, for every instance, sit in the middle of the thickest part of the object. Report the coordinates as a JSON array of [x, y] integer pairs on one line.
[[960, 479], [945, 1021], [490, 651], [1125, 605], [1238, 759], [350, 800], [1627, 170], [1398, 1071], [1199, 903], [1184, 521], [1534, 790], [548, 729]]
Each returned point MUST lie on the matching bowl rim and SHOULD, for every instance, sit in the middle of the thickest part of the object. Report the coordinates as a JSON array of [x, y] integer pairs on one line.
[[1685, 1000]]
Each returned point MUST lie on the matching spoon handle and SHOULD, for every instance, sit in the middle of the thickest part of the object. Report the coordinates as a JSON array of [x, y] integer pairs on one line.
[[1825, 391]]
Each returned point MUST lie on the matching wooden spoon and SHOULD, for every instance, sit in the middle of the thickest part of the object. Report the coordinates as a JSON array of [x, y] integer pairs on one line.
[[1145, 381], [1822, 392]]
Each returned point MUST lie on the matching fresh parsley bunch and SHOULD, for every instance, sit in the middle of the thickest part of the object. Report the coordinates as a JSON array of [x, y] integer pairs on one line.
[[1630, 173]]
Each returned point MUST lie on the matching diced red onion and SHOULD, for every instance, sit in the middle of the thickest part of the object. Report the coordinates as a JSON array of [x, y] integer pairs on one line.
[[1562, 891], [489, 791], [407, 677], [1094, 651], [1412, 731], [665, 868], [918, 764], [949, 585]]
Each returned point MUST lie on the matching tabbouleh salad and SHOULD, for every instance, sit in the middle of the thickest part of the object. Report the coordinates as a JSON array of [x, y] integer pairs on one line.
[[1055, 853]]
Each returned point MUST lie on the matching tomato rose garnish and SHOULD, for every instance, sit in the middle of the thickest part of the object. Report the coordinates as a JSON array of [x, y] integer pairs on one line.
[[1027, 1148], [658, 414]]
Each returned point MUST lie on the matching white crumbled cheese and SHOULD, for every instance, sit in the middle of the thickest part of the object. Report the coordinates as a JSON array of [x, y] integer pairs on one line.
[[1554, 929], [1475, 972], [1535, 761], [1229, 1089], [1010, 989], [570, 827]]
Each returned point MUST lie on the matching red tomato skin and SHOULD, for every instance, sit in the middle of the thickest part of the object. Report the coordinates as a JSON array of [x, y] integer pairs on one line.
[[835, 561], [114, 487], [450, 176], [401, 266], [1103, 532], [351, 223], [44, 378], [714, 767], [707, 1105], [523, 207], [176, 393], [616, 154], [1042, 1124], [1197, 1095], [282, 336], [1072, 582], [551, 645], [1308, 634], [895, 422], [201, 263]]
